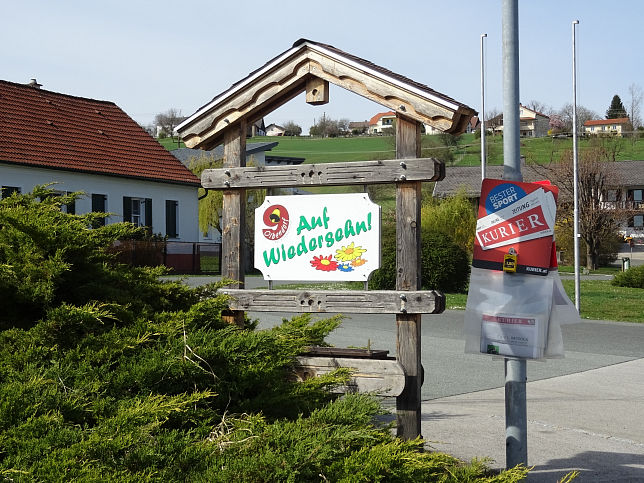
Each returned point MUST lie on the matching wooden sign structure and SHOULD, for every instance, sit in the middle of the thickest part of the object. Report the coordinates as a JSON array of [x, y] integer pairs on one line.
[[309, 67]]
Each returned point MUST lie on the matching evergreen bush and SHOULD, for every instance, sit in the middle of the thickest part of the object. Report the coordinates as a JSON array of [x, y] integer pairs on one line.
[[109, 373], [445, 266], [633, 277]]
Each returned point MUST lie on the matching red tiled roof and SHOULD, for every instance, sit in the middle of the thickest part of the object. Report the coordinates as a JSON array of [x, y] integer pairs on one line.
[[51, 130], [374, 120], [605, 122]]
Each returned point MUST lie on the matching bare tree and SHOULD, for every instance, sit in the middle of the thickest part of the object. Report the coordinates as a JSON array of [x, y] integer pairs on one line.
[[493, 119], [583, 114], [492, 113], [599, 220], [343, 125], [327, 127], [169, 120], [292, 129], [634, 105], [539, 107]]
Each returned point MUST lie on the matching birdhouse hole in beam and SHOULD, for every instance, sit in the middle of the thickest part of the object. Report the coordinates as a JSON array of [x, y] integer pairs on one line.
[[317, 91]]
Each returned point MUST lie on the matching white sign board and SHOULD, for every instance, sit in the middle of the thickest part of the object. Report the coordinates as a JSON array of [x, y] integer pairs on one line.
[[317, 237]]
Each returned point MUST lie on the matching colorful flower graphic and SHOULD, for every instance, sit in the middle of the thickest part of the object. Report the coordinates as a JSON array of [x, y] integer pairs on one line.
[[345, 267], [358, 262], [349, 252], [326, 264]]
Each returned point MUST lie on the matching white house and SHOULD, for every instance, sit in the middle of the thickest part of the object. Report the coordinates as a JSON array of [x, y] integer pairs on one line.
[[93, 146], [613, 127], [275, 130], [380, 121], [532, 124]]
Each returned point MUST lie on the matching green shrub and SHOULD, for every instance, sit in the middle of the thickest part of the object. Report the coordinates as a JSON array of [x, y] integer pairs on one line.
[[633, 277], [455, 216], [445, 266], [48, 257], [108, 373]]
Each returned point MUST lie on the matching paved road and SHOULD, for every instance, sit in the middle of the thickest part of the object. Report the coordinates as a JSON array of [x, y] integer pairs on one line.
[[449, 371]]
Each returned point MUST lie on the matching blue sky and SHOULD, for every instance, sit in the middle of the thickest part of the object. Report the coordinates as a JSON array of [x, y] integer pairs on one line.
[[150, 56]]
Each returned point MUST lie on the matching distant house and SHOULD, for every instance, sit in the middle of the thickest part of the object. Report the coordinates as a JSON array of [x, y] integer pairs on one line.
[[275, 130], [629, 196], [613, 127], [256, 129], [380, 121], [532, 124], [359, 127], [255, 154], [431, 129], [473, 125], [384, 120], [93, 146]]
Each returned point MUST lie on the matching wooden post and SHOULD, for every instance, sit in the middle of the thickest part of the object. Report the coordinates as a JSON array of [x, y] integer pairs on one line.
[[233, 216], [408, 276]]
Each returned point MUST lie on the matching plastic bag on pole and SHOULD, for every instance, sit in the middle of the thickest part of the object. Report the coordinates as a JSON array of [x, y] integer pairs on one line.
[[508, 315]]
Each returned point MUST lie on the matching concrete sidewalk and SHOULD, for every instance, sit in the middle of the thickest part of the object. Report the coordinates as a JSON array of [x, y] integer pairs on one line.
[[590, 421]]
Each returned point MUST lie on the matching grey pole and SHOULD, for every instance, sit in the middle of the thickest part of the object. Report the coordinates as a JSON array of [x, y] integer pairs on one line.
[[511, 142], [516, 419], [482, 113], [575, 158]]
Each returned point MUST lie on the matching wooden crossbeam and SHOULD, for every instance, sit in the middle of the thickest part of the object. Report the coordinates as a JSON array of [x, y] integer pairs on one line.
[[325, 174], [380, 377], [340, 301]]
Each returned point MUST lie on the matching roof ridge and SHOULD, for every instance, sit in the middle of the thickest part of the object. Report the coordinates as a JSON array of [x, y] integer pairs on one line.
[[54, 93]]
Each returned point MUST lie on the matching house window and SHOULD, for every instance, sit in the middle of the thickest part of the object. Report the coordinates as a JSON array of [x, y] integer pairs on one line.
[[635, 195], [638, 221], [137, 211], [69, 208], [9, 190], [612, 195], [387, 122], [99, 205], [171, 214]]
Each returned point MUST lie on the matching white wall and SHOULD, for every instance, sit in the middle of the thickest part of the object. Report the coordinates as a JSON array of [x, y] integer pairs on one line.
[[115, 188]]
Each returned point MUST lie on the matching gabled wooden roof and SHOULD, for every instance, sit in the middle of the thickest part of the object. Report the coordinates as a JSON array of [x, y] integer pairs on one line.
[[45, 129], [285, 76]]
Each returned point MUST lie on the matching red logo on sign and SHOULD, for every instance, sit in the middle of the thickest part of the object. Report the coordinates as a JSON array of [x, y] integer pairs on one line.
[[276, 218]]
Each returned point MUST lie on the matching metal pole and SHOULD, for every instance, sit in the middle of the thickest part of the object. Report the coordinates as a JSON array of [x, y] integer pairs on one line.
[[482, 113], [511, 141], [575, 158], [516, 419]]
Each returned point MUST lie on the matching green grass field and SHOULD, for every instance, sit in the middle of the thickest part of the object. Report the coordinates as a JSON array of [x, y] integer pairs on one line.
[[331, 150], [466, 152], [171, 143], [599, 300]]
